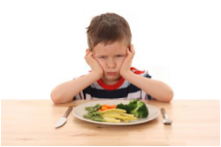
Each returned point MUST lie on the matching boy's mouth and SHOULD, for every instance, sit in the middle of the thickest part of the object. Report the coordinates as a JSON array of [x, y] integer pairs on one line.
[[111, 73]]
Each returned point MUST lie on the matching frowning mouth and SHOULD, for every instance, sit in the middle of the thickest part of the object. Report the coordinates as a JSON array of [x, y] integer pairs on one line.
[[112, 73]]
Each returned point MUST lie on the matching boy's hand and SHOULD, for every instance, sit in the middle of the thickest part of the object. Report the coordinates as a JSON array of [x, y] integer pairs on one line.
[[125, 68], [95, 66]]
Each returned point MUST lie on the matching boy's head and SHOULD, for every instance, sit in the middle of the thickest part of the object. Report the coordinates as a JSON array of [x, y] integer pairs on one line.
[[108, 28], [109, 37]]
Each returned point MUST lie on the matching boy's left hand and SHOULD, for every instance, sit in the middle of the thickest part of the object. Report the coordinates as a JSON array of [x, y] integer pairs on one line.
[[125, 68]]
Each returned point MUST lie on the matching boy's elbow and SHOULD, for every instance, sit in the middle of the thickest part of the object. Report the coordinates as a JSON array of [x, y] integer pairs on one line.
[[166, 97], [169, 96], [58, 98], [55, 98]]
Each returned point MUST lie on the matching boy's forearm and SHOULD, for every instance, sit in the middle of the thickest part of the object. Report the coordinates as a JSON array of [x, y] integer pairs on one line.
[[66, 91], [154, 88]]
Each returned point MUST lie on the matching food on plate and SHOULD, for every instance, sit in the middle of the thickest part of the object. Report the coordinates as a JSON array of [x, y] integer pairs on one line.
[[117, 113], [110, 115], [93, 108], [105, 107], [136, 107]]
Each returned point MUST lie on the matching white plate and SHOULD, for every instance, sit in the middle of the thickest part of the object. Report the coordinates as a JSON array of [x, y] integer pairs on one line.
[[79, 111]]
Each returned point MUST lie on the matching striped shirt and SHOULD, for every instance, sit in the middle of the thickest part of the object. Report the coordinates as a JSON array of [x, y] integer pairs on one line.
[[121, 90]]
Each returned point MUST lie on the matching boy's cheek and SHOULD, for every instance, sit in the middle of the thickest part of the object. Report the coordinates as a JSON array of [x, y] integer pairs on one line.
[[99, 61], [122, 61], [102, 64]]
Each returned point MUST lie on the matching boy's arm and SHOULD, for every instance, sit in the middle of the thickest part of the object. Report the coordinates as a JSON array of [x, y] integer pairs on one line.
[[154, 88], [65, 92]]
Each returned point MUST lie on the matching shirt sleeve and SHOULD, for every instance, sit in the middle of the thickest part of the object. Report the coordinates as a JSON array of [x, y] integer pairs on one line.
[[79, 96], [147, 96]]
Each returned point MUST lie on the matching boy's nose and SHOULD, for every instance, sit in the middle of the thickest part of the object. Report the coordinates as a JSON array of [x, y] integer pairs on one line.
[[111, 64]]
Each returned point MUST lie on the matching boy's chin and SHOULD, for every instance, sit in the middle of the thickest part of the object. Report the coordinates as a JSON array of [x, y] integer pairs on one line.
[[113, 78]]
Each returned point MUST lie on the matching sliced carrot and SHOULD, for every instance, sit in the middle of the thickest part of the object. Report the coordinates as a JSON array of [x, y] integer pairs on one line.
[[109, 106], [105, 107]]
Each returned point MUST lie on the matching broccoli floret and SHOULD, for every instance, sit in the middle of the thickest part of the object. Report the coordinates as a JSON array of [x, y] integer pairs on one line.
[[133, 104], [140, 110], [134, 101], [136, 107], [124, 106]]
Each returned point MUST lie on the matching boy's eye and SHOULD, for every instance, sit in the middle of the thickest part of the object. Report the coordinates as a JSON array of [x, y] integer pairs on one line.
[[104, 57], [120, 56]]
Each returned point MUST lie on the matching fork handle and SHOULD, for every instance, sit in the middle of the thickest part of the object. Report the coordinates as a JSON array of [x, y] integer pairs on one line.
[[68, 111], [164, 113]]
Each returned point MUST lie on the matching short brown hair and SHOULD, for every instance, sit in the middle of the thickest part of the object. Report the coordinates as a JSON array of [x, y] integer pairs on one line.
[[108, 28]]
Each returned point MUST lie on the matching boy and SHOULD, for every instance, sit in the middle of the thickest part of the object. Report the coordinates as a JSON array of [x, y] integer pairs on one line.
[[110, 57]]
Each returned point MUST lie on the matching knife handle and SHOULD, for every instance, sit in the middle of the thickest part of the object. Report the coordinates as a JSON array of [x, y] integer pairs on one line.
[[68, 111]]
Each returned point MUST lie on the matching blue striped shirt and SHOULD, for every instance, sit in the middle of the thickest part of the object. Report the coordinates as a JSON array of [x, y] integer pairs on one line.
[[121, 90]]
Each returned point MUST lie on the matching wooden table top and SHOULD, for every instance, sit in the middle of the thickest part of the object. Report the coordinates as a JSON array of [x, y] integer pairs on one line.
[[31, 123]]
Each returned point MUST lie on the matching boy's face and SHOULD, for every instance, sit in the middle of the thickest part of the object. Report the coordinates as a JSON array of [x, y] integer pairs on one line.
[[111, 57]]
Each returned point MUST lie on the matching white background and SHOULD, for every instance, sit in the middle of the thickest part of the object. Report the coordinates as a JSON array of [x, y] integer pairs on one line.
[[42, 44]]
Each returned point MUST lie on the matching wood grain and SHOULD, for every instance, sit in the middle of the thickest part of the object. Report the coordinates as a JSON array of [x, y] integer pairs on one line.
[[31, 123]]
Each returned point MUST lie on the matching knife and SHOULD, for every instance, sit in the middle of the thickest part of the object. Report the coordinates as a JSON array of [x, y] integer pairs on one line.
[[63, 120]]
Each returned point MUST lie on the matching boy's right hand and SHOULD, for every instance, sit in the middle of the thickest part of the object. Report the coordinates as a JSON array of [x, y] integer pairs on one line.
[[93, 63]]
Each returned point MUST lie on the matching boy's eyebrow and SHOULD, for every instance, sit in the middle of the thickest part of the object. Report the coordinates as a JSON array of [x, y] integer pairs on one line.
[[115, 54]]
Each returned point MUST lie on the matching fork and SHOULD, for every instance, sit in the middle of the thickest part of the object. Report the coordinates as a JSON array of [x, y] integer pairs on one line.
[[166, 120]]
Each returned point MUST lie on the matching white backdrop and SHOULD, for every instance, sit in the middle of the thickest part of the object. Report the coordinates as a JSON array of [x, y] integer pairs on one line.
[[42, 44]]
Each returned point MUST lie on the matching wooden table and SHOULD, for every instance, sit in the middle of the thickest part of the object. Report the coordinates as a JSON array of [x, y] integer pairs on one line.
[[31, 122]]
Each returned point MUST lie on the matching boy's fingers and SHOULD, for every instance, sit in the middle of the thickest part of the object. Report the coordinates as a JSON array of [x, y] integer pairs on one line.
[[87, 52], [132, 49], [129, 52], [91, 56], [85, 57]]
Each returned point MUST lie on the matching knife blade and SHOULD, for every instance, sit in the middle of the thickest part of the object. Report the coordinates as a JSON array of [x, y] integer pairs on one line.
[[63, 119]]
